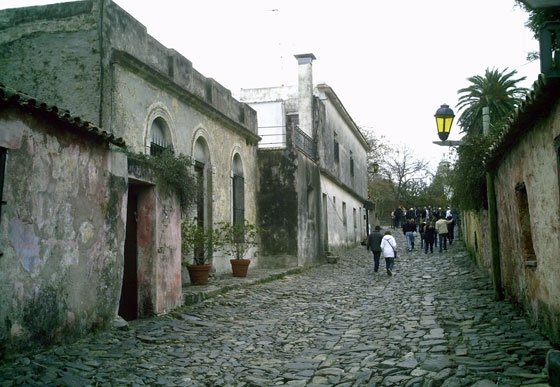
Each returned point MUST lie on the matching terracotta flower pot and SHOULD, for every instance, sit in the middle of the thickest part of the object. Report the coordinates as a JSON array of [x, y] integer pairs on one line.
[[239, 267], [199, 274]]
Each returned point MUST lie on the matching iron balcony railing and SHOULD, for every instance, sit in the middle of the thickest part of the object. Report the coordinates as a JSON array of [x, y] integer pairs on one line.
[[305, 143]]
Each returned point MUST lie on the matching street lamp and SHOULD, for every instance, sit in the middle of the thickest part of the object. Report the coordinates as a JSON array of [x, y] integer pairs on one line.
[[444, 119]]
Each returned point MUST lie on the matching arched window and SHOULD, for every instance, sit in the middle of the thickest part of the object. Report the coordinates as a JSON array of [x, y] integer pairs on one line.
[[159, 134], [238, 190], [201, 155]]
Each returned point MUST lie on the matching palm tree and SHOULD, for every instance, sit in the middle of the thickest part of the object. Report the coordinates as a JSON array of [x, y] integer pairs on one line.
[[497, 90]]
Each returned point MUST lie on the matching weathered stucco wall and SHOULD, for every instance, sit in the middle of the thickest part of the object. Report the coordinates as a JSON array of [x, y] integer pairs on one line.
[[350, 148], [278, 208], [308, 188], [62, 233], [476, 235], [52, 53], [345, 216], [528, 202]]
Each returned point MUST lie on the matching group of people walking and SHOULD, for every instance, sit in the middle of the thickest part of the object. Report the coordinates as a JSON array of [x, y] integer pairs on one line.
[[400, 215], [435, 227], [385, 243]]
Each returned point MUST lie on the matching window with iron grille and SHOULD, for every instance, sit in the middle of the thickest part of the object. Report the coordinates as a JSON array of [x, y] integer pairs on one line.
[[238, 199], [159, 142], [336, 155]]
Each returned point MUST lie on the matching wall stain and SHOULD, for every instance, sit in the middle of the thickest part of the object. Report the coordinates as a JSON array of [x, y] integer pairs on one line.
[[26, 244]]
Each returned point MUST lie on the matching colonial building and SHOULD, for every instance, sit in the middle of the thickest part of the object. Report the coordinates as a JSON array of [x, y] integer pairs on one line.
[[313, 168], [93, 58]]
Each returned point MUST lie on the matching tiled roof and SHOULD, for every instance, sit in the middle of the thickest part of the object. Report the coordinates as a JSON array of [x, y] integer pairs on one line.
[[537, 104], [11, 96]]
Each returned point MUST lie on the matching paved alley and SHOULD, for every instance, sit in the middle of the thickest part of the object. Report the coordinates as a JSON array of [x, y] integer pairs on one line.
[[433, 323]]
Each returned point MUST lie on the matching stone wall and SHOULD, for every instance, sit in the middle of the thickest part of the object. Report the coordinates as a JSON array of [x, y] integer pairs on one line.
[[524, 162], [528, 203]]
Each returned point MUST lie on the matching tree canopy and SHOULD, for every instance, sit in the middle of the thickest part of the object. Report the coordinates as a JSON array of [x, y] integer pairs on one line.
[[496, 90]]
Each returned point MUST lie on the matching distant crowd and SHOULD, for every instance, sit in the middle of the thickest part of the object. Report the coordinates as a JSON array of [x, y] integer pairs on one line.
[[435, 225]]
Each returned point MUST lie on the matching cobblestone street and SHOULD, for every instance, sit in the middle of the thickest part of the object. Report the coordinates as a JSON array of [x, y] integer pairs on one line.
[[433, 323]]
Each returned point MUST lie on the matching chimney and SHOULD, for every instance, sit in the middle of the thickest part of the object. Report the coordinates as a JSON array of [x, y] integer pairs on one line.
[[305, 92]]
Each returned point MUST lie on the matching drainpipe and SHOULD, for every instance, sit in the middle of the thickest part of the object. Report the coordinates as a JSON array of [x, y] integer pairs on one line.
[[101, 64], [493, 220], [3, 152], [305, 92]]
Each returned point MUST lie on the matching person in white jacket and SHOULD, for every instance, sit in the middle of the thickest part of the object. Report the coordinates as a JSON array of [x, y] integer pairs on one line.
[[389, 248]]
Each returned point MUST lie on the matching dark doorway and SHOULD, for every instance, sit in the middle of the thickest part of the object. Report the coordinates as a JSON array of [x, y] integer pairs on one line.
[[128, 308]]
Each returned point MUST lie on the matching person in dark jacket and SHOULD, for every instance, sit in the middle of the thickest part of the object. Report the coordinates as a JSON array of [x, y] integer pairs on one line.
[[374, 245], [429, 238], [409, 229]]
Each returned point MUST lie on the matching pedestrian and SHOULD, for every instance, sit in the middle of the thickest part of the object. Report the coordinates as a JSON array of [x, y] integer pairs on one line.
[[422, 233], [389, 248], [451, 228], [398, 213], [374, 245], [429, 238], [409, 230], [441, 228]]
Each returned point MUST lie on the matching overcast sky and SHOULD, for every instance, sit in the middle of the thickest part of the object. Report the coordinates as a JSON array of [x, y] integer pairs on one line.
[[392, 63]]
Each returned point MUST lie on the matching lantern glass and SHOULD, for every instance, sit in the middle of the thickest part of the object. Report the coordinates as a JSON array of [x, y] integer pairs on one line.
[[444, 119]]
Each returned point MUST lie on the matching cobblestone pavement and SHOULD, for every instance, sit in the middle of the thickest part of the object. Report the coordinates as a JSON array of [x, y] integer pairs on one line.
[[433, 323]]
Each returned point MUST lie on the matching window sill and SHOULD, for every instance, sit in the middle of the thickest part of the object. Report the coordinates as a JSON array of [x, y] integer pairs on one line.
[[532, 263]]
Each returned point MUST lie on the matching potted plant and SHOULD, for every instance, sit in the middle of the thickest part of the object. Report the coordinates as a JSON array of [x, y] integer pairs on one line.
[[236, 240], [197, 243]]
